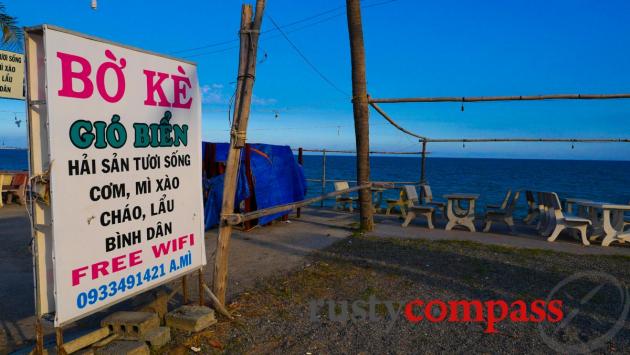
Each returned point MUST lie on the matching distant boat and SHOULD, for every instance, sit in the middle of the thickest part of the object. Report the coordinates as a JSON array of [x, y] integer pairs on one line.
[[8, 147]]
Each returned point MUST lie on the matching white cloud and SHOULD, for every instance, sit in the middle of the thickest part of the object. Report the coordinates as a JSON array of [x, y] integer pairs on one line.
[[213, 94], [216, 94], [260, 101]]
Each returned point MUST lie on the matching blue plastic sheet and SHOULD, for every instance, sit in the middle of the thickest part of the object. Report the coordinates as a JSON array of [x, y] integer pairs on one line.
[[278, 179]]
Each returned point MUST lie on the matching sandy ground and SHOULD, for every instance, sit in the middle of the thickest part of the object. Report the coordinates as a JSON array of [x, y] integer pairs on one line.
[[254, 256]]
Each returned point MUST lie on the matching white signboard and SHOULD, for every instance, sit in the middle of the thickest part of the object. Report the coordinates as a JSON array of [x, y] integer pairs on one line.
[[11, 75], [125, 173]]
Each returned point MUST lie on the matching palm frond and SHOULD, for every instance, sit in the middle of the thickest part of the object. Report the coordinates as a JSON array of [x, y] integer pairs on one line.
[[11, 32]]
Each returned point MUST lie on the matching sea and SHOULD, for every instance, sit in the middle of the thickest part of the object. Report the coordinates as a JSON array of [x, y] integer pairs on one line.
[[607, 181], [490, 178], [13, 159]]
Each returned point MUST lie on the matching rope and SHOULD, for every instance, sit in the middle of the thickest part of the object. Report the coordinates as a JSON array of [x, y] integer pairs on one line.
[[246, 76], [238, 135], [305, 59], [481, 140]]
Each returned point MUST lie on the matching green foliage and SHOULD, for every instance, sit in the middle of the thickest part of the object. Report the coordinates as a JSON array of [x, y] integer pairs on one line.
[[11, 32]]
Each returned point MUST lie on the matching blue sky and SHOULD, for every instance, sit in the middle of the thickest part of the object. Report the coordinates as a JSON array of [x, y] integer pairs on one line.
[[413, 48]]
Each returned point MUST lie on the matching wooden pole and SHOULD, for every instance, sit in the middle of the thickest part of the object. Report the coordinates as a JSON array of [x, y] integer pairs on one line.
[[200, 285], [502, 98], [39, 336], [59, 340], [323, 176], [423, 179], [184, 290], [360, 109], [301, 162], [423, 161], [249, 34]]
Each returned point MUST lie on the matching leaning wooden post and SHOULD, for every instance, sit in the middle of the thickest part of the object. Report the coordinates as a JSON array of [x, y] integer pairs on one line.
[[360, 108], [249, 34]]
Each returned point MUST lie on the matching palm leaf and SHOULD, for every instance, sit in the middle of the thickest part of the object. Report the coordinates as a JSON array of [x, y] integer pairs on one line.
[[11, 32]]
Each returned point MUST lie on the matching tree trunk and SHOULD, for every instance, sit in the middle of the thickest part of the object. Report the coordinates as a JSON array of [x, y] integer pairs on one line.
[[360, 108]]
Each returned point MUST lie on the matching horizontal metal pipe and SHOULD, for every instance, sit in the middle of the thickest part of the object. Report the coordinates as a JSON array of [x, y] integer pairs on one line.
[[501, 98]]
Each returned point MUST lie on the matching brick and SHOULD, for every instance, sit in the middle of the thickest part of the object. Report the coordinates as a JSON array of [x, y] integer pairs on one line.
[[126, 347], [158, 337], [191, 318], [131, 325]]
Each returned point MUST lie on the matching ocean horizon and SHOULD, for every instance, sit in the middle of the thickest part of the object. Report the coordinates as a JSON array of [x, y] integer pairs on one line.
[[411, 156], [601, 180]]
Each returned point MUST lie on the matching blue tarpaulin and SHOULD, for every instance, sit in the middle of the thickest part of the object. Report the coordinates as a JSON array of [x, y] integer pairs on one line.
[[277, 180]]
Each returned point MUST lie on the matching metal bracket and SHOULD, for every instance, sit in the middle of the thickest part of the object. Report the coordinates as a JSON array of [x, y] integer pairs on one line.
[[37, 102]]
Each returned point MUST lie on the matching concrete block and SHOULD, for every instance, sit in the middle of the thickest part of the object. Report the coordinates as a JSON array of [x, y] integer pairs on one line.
[[86, 340], [101, 343], [126, 347], [86, 351], [131, 325], [156, 302], [191, 318], [158, 337]]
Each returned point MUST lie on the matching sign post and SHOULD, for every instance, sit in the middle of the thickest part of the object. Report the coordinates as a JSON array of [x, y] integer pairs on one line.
[[115, 141]]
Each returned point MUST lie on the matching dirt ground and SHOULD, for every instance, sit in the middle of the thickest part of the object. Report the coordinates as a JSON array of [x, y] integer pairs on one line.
[[387, 265], [277, 315], [254, 255]]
